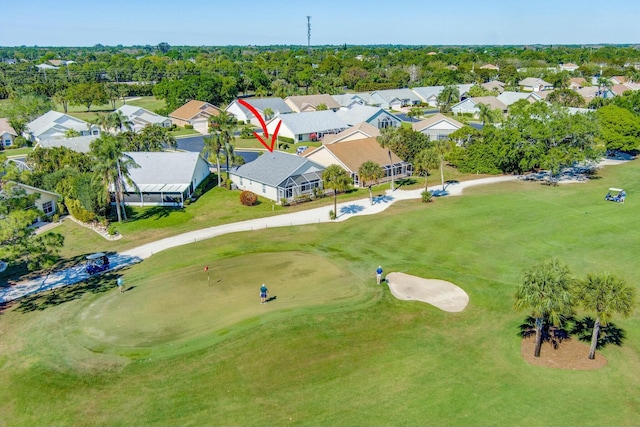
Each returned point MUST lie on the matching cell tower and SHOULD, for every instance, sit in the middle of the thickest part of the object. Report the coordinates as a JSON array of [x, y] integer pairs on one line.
[[309, 34]]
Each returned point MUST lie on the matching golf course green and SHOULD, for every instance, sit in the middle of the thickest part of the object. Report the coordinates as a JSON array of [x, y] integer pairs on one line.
[[334, 348]]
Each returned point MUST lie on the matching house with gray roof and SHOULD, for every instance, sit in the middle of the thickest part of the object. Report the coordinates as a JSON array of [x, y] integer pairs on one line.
[[349, 99], [164, 178], [534, 84], [139, 117], [508, 97], [375, 116], [309, 126], [394, 99], [470, 105], [54, 124], [428, 94], [279, 176], [243, 114]]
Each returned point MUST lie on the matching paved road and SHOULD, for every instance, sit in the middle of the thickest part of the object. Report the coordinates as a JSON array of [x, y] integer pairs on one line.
[[346, 211], [195, 144]]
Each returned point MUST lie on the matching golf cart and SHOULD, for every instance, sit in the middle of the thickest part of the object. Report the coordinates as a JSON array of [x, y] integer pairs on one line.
[[616, 195], [97, 263]]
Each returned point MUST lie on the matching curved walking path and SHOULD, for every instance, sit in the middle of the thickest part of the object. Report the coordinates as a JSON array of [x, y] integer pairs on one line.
[[346, 210]]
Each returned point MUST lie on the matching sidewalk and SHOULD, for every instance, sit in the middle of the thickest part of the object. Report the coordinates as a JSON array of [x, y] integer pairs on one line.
[[346, 210]]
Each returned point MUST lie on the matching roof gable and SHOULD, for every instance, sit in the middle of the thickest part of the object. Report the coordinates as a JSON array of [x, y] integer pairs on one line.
[[436, 122], [193, 108]]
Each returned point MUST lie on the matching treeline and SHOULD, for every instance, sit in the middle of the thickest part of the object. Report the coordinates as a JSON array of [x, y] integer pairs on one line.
[[225, 72]]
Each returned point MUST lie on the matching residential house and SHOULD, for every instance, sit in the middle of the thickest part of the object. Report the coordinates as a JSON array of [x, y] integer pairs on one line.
[[395, 99], [508, 97], [359, 131], [139, 118], [591, 92], [494, 85], [45, 67], [428, 94], [47, 201], [80, 144], [304, 103], [279, 176], [490, 67], [350, 155], [576, 83], [349, 99], [437, 127], [243, 114], [470, 105], [570, 67], [618, 80], [620, 89], [54, 124], [375, 116], [534, 84], [7, 134], [195, 113], [309, 126], [164, 178]]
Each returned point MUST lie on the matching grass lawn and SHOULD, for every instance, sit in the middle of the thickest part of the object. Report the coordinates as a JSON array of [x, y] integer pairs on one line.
[[334, 348], [17, 151]]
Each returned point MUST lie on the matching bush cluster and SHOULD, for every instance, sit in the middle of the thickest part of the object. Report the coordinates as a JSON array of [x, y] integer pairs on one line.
[[78, 212], [248, 198]]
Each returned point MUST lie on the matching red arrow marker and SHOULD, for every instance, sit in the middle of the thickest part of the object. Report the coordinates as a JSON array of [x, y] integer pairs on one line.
[[264, 127]]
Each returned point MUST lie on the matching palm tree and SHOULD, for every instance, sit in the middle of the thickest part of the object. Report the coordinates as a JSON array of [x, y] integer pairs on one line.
[[223, 125], [335, 178], [486, 114], [212, 147], [448, 97], [606, 295], [117, 120], [426, 160], [388, 137], [268, 113], [112, 169], [370, 173], [546, 291], [442, 147]]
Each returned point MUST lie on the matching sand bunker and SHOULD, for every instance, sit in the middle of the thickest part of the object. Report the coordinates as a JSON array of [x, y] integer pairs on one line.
[[439, 293]]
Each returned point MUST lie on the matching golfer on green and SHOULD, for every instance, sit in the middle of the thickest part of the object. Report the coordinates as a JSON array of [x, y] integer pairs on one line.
[[263, 294], [379, 274]]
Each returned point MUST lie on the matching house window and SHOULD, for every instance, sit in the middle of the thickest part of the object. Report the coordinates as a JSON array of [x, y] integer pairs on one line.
[[264, 188], [385, 122], [241, 181], [48, 208], [95, 132], [299, 137]]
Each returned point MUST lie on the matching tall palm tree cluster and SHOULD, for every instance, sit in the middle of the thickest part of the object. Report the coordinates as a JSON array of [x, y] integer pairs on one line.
[[552, 294], [220, 141]]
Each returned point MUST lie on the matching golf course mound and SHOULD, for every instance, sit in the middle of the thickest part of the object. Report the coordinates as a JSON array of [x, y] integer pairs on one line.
[[439, 293], [177, 307]]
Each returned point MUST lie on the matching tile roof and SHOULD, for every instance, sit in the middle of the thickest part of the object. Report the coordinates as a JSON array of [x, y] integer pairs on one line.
[[362, 128], [6, 127], [193, 108], [491, 101], [353, 154], [533, 81], [302, 101], [423, 124], [273, 168]]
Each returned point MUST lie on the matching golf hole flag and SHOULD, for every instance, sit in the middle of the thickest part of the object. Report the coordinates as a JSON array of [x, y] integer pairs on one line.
[[206, 268]]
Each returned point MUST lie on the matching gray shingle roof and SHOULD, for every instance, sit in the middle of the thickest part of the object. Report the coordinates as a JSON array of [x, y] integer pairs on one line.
[[359, 113], [273, 168], [167, 168], [276, 104], [81, 144], [53, 118]]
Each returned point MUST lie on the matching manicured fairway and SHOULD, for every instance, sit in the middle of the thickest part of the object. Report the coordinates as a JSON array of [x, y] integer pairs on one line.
[[349, 353]]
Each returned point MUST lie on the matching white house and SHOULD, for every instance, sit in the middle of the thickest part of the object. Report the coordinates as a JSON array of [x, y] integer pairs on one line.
[[195, 113], [394, 99], [437, 127], [534, 84], [81, 144], [54, 124], [508, 97], [277, 175], [428, 94], [307, 126], [470, 105], [141, 118], [46, 201], [375, 116], [7, 134], [243, 114], [570, 67], [165, 178]]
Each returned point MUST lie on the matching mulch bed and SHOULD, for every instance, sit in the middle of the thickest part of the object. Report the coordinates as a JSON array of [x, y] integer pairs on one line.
[[570, 354]]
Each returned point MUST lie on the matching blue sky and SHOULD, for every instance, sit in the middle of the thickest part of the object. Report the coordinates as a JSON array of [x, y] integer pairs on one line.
[[224, 22]]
